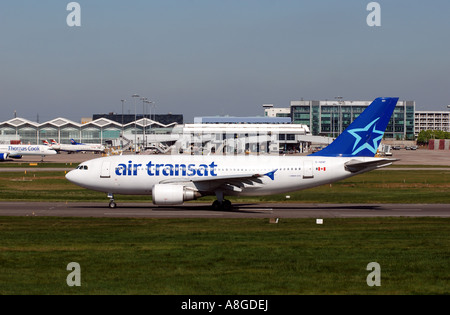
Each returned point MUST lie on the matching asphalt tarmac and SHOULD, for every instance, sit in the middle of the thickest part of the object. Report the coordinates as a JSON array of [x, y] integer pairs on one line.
[[241, 210]]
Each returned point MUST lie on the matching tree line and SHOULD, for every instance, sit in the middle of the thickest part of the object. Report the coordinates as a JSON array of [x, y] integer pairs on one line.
[[426, 135]]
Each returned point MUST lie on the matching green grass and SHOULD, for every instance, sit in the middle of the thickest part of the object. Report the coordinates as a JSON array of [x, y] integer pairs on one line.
[[385, 186], [224, 256]]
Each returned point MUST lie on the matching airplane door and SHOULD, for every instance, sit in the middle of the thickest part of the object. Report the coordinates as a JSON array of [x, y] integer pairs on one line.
[[105, 170], [308, 169]]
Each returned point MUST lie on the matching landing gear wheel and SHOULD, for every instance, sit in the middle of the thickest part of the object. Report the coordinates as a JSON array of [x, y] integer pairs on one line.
[[112, 204], [226, 205], [216, 205]]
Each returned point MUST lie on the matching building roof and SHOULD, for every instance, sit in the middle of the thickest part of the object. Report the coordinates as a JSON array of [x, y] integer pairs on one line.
[[61, 122], [241, 120]]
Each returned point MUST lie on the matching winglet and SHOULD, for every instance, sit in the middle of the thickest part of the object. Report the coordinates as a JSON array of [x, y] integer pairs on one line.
[[271, 174]]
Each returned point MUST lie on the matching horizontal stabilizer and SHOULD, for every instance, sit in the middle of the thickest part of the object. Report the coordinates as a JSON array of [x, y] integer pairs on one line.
[[355, 166]]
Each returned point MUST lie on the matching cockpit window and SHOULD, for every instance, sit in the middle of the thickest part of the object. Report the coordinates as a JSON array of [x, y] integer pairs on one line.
[[82, 167]]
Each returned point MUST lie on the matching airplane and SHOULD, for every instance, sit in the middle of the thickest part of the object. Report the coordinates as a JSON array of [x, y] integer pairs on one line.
[[70, 148], [16, 151], [95, 147], [171, 180]]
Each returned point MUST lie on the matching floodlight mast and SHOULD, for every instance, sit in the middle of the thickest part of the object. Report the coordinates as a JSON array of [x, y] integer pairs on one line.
[[134, 96], [121, 136]]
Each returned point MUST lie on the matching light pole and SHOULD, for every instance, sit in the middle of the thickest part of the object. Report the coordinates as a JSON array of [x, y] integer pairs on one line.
[[146, 102], [122, 112], [121, 136], [134, 96], [143, 99], [339, 100]]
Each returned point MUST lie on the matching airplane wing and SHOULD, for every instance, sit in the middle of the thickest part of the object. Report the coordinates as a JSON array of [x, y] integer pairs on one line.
[[355, 166], [225, 182]]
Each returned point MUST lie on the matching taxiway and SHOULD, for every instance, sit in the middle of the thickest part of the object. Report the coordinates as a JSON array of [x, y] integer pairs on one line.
[[241, 210]]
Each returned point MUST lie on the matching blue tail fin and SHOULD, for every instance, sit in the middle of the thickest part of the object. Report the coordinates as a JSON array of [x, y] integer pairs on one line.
[[364, 134]]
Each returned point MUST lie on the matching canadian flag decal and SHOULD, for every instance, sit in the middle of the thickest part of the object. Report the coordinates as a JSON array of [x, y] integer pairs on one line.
[[321, 168]]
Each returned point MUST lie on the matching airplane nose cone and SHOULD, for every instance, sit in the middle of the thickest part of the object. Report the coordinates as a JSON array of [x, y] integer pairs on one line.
[[71, 177]]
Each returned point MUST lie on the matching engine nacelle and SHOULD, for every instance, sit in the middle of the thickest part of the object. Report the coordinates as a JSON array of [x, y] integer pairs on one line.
[[3, 156], [166, 194]]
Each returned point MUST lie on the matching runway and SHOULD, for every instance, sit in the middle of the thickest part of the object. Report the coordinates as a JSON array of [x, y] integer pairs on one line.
[[241, 210]]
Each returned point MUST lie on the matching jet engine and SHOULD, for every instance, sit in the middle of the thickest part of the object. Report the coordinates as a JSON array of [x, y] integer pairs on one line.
[[166, 194], [3, 156]]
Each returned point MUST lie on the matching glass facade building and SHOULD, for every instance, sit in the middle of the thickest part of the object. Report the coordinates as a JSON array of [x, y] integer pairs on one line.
[[330, 118]]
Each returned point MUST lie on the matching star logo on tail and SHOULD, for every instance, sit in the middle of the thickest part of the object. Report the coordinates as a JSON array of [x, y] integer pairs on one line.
[[366, 135]]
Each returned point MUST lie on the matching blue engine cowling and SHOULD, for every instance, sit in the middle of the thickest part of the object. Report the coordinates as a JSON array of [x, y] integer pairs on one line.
[[3, 156]]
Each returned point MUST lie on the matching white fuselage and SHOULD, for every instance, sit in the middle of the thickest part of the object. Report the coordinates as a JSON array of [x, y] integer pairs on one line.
[[79, 147], [137, 174], [21, 149]]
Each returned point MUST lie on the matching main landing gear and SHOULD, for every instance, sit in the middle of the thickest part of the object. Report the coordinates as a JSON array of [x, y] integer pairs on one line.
[[224, 206], [220, 203], [112, 204]]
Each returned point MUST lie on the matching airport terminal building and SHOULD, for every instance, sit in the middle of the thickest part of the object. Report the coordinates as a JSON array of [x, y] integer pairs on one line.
[[62, 130], [432, 120], [227, 135]]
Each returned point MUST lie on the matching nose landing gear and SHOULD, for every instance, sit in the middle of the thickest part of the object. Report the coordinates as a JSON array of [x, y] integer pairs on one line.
[[112, 204]]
